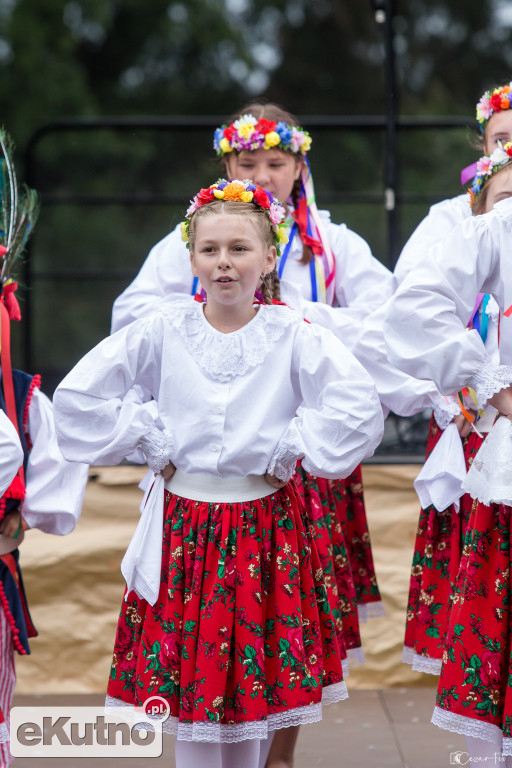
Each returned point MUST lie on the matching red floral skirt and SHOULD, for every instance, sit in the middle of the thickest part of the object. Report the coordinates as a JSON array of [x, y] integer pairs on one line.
[[435, 563], [475, 688], [242, 638], [332, 550], [351, 511]]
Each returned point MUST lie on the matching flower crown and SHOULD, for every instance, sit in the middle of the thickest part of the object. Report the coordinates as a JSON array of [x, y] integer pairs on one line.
[[240, 192], [487, 166], [250, 134], [493, 101]]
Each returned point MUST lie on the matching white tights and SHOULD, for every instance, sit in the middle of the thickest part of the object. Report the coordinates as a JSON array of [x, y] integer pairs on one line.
[[487, 753], [251, 753]]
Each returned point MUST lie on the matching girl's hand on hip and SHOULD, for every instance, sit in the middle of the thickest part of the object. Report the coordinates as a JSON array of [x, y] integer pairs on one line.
[[274, 481], [502, 401], [168, 471], [462, 424]]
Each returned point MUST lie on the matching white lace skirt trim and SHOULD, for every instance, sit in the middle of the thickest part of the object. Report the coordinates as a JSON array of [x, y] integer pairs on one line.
[[4, 733], [468, 726], [215, 732], [370, 611], [421, 663]]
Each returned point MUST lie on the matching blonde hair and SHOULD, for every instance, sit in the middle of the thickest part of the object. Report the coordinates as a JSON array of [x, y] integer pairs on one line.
[[269, 283]]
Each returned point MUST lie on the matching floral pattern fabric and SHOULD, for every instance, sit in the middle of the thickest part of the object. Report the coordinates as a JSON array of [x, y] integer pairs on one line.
[[243, 632], [332, 551], [475, 687], [350, 508], [435, 564]]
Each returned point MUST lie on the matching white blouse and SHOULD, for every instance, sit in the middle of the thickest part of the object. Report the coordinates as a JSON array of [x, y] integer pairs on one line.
[[232, 405], [10, 451], [361, 282], [425, 327], [439, 222], [55, 487]]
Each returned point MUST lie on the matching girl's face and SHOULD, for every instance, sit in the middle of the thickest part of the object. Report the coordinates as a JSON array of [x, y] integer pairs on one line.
[[273, 169], [500, 187], [499, 128], [229, 257]]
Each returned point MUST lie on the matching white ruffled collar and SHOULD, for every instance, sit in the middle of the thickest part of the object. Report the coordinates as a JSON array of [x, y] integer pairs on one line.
[[224, 355]]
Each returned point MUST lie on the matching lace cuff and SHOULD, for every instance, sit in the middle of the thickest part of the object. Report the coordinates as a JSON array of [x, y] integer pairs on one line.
[[489, 381], [157, 448], [283, 462], [444, 411]]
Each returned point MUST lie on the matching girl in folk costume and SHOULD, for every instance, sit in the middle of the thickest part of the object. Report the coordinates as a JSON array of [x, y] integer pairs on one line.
[[324, 265], [11, 454], [427, 336], [231, 624], [442, 524], [47, 491]]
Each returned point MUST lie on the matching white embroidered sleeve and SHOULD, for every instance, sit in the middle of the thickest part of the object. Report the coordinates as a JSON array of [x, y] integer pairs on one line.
[[445, 409], [490, 380], [283, 462], [157, 446]]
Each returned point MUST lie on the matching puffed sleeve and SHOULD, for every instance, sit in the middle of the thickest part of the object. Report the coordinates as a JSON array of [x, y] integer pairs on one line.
[[425, 326], [438, 223], [11, 452], [55, 487], [343, 322], [340, 421], [94, 419], [166, 270], [398, 392], [361, 281]]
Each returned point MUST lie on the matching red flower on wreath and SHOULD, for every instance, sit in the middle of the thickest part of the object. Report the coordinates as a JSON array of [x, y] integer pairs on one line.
[[261, 198], [495, 102], [229, 132], [265, 126], [205, 196]]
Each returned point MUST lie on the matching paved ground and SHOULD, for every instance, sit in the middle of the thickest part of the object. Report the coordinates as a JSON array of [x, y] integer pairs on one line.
[[388, 728]]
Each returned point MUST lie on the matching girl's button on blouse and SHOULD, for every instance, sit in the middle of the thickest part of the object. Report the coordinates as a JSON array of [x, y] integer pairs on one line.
[[220, 410], [214, 448]]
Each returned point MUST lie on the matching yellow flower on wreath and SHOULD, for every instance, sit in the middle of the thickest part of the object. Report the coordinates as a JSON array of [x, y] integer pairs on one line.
[[272, 139]]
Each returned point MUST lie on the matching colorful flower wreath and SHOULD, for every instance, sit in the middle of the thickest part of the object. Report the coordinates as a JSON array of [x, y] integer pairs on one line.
[[249, 133], [487, 166], [240, 192], [493, 101]]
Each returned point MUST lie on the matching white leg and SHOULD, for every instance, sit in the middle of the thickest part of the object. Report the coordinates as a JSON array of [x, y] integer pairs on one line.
[[197, 754], [7, 681], [481, 750], [241, 754], [265, 745]]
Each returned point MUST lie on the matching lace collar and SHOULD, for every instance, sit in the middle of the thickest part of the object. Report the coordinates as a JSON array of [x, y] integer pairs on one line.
[[224, 355]]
